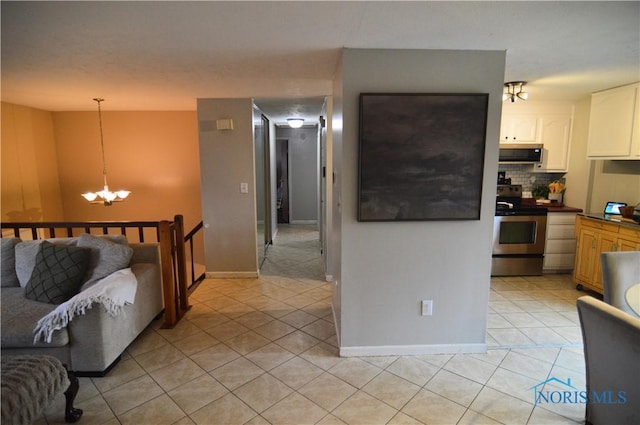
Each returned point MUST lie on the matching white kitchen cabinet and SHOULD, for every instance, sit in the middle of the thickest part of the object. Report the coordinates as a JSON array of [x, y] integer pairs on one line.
[[614, 124], [516, 128], [548, 123], [555, 137], [560, 246]]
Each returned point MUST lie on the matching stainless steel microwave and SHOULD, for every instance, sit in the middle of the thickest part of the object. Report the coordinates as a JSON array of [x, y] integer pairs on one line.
[[520, 153]]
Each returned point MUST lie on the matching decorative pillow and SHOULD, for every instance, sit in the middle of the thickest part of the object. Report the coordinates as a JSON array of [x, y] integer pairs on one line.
[[8, 276], [26, 252], [106, 257], [58, 273]]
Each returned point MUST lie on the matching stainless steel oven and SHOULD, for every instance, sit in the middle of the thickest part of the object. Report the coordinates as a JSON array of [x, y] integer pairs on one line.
[[518, 243], [518, 235]]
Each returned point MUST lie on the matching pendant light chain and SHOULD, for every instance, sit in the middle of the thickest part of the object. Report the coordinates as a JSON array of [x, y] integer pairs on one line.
[[105, 196], [104, 160]]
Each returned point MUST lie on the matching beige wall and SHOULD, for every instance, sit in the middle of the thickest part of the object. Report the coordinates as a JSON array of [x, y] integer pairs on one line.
[[30, 184], [152, 154], [49, 159], [615, 181], [227, 159]]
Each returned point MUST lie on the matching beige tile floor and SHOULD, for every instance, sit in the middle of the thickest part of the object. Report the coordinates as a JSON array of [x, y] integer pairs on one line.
[[264, 351]]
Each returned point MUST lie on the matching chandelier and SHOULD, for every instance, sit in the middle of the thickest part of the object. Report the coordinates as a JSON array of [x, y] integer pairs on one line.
[[514, 90], [105, 196]]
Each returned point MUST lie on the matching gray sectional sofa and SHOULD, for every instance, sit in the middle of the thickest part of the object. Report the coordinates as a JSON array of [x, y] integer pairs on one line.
[[91, 343]]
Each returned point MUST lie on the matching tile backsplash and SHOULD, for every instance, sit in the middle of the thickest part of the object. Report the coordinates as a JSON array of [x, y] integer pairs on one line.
[[523, 174]]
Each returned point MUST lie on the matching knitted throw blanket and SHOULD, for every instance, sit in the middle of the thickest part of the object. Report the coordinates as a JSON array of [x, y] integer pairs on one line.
[[29, 385], [112, 292]]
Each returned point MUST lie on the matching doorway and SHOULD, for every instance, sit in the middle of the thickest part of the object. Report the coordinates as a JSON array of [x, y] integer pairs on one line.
[[263, 187], [282, 179]]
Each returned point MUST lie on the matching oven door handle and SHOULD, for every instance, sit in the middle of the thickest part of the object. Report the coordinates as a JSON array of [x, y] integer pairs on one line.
[[508, 204]]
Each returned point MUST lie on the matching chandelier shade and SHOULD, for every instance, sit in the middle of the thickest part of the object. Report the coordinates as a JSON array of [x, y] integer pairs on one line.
[[295, 122], [105, 196]]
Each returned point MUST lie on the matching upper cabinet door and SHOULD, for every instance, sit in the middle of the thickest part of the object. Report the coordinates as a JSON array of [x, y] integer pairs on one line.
[[519, 128], [611, 123], [556, 137]]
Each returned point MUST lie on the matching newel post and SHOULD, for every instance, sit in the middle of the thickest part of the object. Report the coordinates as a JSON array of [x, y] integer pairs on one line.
[[181, 260], [166, 261]]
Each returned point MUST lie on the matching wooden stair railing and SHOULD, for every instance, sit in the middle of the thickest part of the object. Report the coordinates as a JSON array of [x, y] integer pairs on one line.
[[169, 235]]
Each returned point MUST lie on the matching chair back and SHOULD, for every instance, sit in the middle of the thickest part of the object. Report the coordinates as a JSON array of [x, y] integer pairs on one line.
[[612, 358], [620, 271]]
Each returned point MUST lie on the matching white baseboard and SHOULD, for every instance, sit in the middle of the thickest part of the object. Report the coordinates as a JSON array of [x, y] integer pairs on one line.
[[304, 222], [230, 275], [412, 350]]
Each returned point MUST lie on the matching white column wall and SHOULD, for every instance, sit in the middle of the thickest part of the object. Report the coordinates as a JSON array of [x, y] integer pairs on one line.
[[387, 268]]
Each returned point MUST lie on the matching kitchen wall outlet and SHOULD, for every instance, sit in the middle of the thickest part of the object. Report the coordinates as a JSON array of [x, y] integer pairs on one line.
[[427, 307], [244, 187]]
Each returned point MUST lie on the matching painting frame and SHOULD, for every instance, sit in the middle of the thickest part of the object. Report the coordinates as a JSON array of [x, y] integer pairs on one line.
[[421, 156]]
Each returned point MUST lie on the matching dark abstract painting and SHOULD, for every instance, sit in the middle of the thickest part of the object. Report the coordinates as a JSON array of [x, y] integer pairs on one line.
[[421, 156]]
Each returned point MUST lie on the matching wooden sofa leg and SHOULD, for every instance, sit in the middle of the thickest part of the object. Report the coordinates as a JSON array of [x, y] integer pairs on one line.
[[71, 414]]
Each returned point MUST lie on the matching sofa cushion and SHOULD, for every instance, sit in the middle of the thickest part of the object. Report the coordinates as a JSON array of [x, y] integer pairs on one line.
[[26, 252], [58, 273], [106, 257], [8, 276], [19, 318]]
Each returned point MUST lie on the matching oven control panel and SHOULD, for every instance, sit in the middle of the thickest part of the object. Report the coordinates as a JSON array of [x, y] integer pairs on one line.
[[509, 190]]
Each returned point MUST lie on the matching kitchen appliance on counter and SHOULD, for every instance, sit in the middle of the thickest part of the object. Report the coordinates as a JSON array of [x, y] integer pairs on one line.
[[502, 178], [518, 235]]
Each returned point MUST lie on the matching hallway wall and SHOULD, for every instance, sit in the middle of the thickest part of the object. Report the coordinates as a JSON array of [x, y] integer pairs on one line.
[[226, 160], [303, 174]]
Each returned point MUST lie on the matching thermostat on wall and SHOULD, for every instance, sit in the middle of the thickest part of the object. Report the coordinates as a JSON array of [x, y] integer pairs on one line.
[[225, 124]]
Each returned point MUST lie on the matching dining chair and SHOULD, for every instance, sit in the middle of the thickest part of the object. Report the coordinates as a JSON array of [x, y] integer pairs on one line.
[[621, 280], [611, 340]]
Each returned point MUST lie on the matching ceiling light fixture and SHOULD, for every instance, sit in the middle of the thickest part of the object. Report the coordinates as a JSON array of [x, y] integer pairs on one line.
[[514, 90], [295, 122], [105, 196]]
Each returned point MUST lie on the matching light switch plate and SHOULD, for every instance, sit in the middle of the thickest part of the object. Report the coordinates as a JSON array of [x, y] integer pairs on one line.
[[427, 307], [244, 187]]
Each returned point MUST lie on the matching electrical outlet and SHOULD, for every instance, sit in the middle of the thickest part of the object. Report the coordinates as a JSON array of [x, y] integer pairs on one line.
[[427, 307], [244, 187]]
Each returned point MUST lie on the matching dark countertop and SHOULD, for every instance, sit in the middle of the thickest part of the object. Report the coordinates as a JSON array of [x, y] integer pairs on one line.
[[552, 208], [617, 219], [564, 209]]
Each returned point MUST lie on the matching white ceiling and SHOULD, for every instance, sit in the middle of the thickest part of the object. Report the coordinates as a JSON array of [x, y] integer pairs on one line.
[[164, 55]]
